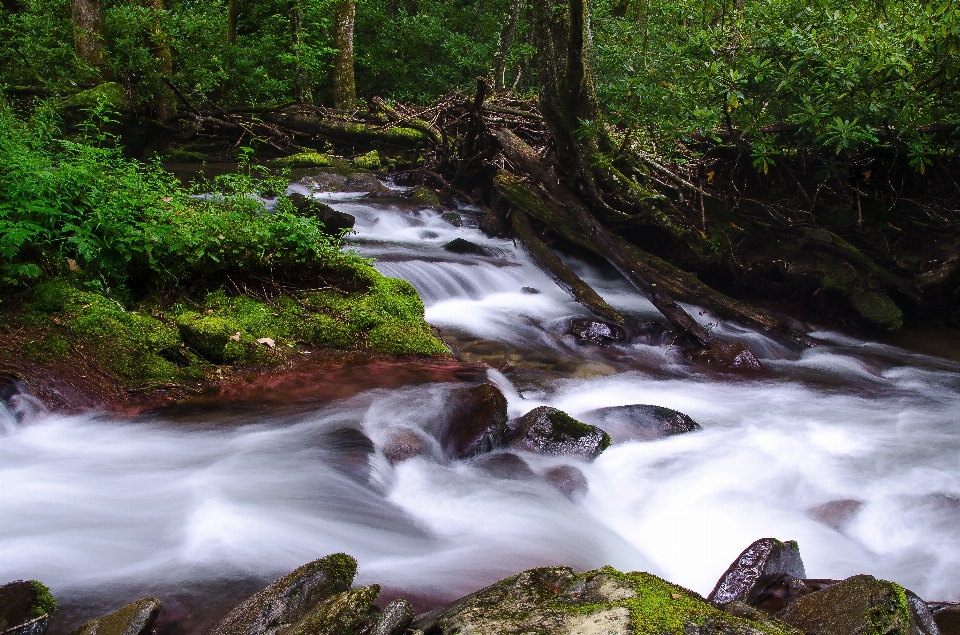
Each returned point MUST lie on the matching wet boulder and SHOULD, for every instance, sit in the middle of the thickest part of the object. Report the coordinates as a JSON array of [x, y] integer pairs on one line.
[[947, 616], [640, 421], [135, 618], [453, 218], [758, 565], [402, 445], [555, 600], [425, 197], [505, 465], [394, 619], [346, 613], [477, 424], [333, 221], [736, 356], [365, 182], [25, 604], [861, 604], [461, 246], [290, 598], [546, 430], [349, 451], [568, 480], [782, 591], [596, 332]]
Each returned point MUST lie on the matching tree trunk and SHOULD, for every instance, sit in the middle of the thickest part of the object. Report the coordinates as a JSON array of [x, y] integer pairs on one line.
[[89, 33], [506, 39], [344, 88], [233, 13], [165, 104], [301, 78]]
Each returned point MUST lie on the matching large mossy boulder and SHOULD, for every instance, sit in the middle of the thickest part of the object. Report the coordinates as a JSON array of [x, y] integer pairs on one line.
[[218, 339], [135, 618], [334, 222], [110, 95], [555, 600], [756, 566], [478, 422], [347, 613], [290, 598], [861, 605], [24, 601], [546, 430]]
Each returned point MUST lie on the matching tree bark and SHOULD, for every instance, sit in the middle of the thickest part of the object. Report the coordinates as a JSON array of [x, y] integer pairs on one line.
[[506, 39], [233, 14], [89, 33], [301, 78], [344, 88], [165, 103]]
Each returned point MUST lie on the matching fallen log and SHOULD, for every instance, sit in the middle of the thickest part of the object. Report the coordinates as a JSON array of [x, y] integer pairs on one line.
[[563, 275]]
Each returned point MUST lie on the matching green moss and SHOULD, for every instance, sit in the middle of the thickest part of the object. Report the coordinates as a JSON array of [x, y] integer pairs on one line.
[[308, 160], [340, 567], [218, 339], [368, 161], [564, 427], [110, 94], [45, 604], [877, 309], [328, 332], [396, 338], [426, 196]]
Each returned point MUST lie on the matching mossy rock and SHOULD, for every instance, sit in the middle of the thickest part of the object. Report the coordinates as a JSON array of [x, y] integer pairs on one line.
[[600, 602], [877, 310], [425, 196], [546, 430], [310, 159], [344, 613], [218, 339], [109, 94], [290, 598], [368, 161], [22, 601], [135, 618]]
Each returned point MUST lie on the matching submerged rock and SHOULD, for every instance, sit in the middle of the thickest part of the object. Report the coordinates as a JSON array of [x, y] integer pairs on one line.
[[546, 430], [568, 480], [135, 618], [861, 605], [755, 567], [333, 221], [401, 446], [346, 613], [947, 616], [596, 332], [394, 619], [27, 603], [290, 598], [461, 246], [478, 422], [555, 600], [643, 421], [505, 465]]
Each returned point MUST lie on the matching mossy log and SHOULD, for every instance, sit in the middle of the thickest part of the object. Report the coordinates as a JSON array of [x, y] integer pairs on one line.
[[564, 276], [400, 135]]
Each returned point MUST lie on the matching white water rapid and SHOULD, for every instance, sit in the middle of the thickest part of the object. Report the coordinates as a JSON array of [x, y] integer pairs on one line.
[[851, 448]]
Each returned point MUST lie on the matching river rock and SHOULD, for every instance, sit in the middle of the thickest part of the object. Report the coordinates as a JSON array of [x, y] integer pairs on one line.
[[546, 430], [135, 618], [453, 218], [27, 603], [402, 445], [425, 197], [290, 598], [555, 600], [947, 617], [9, 386], [461, 246], [596, 332], [505, 465], [477, 424], [758, 565], [568, 480], [735, 355], [346, 613], [350, 451], [640, 421], [333, 221], [783, 591], [394, 619], [861, 604]]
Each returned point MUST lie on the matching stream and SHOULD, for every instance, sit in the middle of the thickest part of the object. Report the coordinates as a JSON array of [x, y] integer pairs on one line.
[[851, 448]]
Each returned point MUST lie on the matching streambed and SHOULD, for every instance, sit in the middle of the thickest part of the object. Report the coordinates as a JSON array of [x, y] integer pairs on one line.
[[852, 448]]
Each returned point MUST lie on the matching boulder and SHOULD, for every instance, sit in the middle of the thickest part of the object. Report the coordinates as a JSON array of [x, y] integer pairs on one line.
[[28, 604], [782, 591], [596, 332], [505, 465], [736, 356], [546, 430], [555, 600], [861, 605], [401, 446], [425, 197], [947, 617], [365, 182], [346, 613], [758, 565], [349, 452], [461, 246], [640, 421], [453, 218], [135, 618], [568, 480], [290, 598], [394, 619], [477, 424], [333, 221]]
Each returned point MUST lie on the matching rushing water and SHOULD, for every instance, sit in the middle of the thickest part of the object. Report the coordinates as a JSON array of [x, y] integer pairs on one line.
[[852, 448]]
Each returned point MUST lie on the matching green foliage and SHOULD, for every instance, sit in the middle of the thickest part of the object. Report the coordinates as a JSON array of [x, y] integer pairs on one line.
[[845, 76], [45, 604]]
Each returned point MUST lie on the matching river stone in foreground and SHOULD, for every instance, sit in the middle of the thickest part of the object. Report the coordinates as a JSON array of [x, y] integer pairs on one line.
[[861, 605], [288, 599], [546, 430], [394, 619], [478, 422], [345, 613], [947, 616], [555, 600], [643, 421], [135, 618], [758, 565]]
